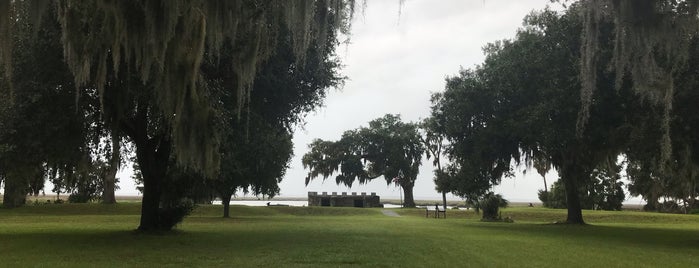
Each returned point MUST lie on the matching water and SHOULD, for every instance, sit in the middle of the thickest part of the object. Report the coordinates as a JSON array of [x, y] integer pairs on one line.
[[398, 206], [262, 203]]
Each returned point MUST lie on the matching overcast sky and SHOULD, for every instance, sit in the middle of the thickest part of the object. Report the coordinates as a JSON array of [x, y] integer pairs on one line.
[[393, 64]]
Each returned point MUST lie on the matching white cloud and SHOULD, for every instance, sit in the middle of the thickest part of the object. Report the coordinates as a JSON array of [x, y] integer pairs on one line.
[[394, 64]]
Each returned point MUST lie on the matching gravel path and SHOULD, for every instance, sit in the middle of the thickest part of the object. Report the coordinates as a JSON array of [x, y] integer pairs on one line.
[[390, 213]]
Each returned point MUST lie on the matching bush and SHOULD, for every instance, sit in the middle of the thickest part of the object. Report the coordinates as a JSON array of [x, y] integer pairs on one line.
[[490, 203], [670, 207], [604, 194], [79, 198], [174, 212]]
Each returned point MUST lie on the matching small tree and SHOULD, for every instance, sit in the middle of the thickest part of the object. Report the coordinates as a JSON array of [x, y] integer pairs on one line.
[[434, 139]]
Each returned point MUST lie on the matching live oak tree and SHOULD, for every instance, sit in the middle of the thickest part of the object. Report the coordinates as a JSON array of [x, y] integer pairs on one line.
[[388, 147], [45, 131], [521, 103], [145, 59], [164, 44]]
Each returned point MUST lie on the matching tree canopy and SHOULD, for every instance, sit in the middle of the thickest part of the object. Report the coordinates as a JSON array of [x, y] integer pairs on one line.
[[520, 106], [173, 77], [388, 147], [652, 46], [163, 45]]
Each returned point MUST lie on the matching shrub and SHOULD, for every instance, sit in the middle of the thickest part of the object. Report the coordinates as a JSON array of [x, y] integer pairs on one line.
[[598, 193], [490, 203], [173, 212], [79, 198]]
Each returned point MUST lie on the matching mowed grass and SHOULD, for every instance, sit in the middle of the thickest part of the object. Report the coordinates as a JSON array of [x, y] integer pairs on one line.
[[90, 235]]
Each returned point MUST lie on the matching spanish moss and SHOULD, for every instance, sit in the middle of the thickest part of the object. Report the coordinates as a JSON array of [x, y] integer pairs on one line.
[[652, 42], [165, 42]]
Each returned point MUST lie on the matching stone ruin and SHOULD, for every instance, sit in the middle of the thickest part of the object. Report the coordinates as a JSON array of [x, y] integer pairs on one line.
[[343, 200]]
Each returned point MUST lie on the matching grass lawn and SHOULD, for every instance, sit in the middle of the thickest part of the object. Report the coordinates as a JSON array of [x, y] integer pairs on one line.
[[101, 235]]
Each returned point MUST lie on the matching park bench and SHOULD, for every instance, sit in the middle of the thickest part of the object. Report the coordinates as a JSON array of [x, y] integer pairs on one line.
[[435, 210]]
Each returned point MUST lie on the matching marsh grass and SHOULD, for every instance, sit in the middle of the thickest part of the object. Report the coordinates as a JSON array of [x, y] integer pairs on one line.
[[102, 235]]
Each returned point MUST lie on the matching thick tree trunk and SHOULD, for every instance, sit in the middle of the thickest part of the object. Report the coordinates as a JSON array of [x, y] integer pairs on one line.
[[408, 202], [226, 201], [573, 202], [571, 175], [153, 156], [15, 192], [108, 196], [150, 204], [153, 160]]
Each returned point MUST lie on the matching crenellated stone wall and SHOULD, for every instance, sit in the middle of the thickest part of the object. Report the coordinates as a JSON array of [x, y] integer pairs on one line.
[[344, 200]]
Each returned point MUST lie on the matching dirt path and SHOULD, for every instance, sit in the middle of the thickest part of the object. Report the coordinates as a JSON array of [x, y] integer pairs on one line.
[[390, 213]]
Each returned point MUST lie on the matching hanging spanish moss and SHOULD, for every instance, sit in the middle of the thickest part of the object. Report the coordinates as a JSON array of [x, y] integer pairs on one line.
[[165, 42], [652, 41], [6, 17], [588, 68]]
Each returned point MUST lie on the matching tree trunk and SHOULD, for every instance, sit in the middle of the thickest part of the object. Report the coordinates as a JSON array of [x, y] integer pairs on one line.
[[15, 192], [153, 160], [153, 156], [570, 176], [150, 204], [226, 201], [108, 196], [444, 200], [408, 202], [546, 186]]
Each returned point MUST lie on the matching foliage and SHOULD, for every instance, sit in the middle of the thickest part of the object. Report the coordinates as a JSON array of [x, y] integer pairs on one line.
[[255, 154], [45, 128], [154, 73], [653, 44], [79, 198], [601, 193], [388, 148], [253, 164], [165, 45], [433, 137], [520, 107], [652, 177], [490, 203], [470, 143], [173, 212]]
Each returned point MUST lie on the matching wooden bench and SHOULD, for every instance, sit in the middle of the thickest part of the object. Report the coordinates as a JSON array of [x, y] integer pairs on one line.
[[436, 210]]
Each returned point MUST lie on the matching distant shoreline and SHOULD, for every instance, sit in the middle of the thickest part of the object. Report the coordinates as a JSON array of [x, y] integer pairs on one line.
[[393, 201]]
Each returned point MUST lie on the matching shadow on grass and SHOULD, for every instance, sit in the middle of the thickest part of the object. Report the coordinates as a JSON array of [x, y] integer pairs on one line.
[[265, 242], [621, 234]]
